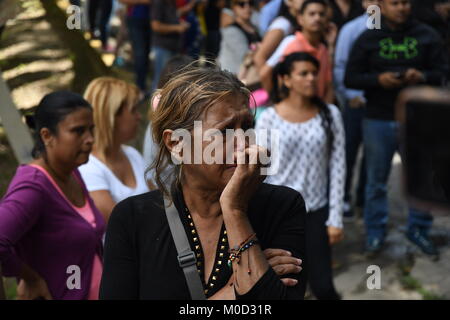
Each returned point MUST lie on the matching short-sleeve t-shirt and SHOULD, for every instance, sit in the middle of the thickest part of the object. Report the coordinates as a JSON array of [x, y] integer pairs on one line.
[[97, 176], [298, 43], [282, 24]]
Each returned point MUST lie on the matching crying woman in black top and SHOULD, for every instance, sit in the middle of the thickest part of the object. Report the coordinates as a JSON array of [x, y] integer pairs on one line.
[[248, 237]]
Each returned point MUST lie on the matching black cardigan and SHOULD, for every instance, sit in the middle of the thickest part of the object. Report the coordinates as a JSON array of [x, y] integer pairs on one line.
[[140, 258]]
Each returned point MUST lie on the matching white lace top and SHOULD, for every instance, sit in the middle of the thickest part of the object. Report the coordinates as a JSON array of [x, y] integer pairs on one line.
[[304, 162]]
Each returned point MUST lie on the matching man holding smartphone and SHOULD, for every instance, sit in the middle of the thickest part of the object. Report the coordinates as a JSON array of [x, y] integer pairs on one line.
[[383, 61]]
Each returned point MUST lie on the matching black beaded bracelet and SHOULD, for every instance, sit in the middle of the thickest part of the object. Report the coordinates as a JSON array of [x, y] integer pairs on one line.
[[235, 254]]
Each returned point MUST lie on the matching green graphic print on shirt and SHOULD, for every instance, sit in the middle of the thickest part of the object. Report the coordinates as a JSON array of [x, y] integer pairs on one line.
[[390, 50]]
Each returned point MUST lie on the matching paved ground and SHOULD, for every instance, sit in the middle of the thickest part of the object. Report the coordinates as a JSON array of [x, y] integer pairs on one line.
[[405, 272]]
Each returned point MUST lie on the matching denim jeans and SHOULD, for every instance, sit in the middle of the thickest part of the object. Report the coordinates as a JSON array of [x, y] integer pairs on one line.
[[161, 57], [380, 144], [353, 119], [140, 35]]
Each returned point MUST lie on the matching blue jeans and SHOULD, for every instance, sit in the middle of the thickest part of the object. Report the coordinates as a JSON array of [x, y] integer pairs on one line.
[[353, 119], [161, 57], [140, 35], [380, 144]]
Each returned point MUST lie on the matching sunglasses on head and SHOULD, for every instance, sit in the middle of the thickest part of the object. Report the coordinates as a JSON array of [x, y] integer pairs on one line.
[[242, 4]]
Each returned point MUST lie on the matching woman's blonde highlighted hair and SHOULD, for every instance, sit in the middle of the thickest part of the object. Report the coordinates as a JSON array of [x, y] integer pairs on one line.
[[108, 96], [183, 100]]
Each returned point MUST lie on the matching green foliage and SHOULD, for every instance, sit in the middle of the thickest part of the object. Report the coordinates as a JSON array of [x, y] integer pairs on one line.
[[410, 283], [10, 288]]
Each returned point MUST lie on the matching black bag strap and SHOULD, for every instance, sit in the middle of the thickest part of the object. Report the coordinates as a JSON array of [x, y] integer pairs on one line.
[[186, 257], [251, 37]]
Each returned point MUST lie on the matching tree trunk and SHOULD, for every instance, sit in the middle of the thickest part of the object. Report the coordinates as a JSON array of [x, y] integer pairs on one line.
[[87, 62]]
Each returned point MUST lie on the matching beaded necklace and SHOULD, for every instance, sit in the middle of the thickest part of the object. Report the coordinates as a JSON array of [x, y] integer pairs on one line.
[[220, 258]]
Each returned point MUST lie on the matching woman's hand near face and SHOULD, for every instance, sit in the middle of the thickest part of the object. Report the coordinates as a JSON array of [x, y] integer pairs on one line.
[[245, 180]]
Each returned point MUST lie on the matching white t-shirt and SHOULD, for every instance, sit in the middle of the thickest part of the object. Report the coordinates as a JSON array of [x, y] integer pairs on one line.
[[278, 54], [303, 162], [97, 176], [283, 24], [254, 19]]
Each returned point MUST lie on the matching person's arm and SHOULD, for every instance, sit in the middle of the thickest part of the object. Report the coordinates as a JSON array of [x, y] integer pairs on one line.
[[443, 9], [329, 89], [19, 212], [437, 62], [104, 202], [337, 170], [158, 20], [225, 19], [265, 75], [95, 177], [258, 281], [330, 38], [290, 236], [164, 28], [329, 92], [149, 146], [149, 153], [186, 8], [120, 277], [357, 74], [281, 261], [32, 286], [341, 56], [269, 44], [342, 53], [266, 70], [268, 13]]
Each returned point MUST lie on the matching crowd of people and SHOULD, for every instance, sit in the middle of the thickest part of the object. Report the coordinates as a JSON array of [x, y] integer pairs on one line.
[[319, 72]]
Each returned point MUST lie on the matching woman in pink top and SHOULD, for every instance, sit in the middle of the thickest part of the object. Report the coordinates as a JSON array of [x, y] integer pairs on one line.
[[316, 28], [50, 231]]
